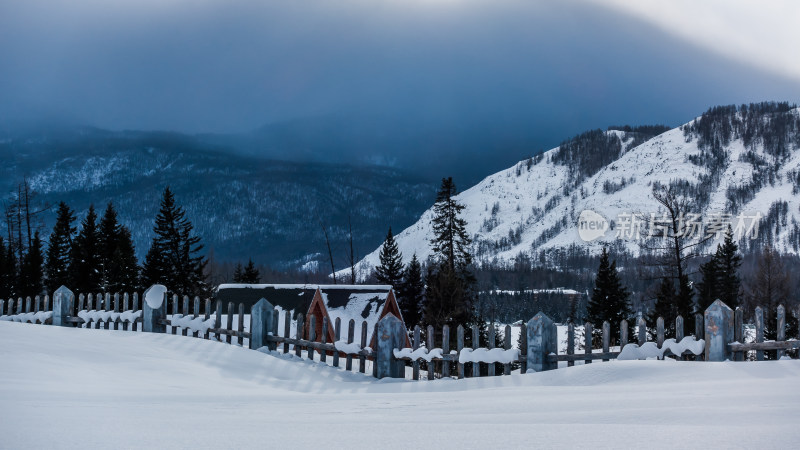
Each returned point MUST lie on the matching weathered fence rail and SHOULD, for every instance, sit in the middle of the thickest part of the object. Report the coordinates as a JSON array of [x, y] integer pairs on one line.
[[719, 335]]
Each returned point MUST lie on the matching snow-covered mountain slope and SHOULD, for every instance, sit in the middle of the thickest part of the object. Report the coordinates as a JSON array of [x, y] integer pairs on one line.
[[740, 161]]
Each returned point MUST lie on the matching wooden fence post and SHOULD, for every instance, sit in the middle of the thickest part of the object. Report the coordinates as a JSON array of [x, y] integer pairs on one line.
[[606, 338], [446, 350], [506, 346], [261, 323], [490, 345], [391, 335], [414, 346], [623, 334], [738, 331], [641, 332], [660, 332], [718, 321], [587, 339], [759, 319], [154, 309], [699, 332], [542, 341], [351, 333], [362, 360], [429, 346], [459, 348], [61, 301], [570, 342], [781, 331], [298, 349], [476, 366]]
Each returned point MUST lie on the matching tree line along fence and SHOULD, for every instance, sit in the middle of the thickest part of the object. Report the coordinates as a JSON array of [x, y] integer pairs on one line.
[[721, 328]]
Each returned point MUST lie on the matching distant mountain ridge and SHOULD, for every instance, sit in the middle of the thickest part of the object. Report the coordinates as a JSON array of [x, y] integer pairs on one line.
[[241, 206], [729, 160]]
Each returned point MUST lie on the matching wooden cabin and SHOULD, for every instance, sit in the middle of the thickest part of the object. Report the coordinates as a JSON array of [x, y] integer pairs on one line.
[[362, 303]]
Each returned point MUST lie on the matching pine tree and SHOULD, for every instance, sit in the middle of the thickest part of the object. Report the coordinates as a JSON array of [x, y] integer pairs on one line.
[[450, 284], [390, 271], [609, 300], [411, 293], [238, 273], [250, 275], [720, 276], [173, 259], [729, 261], [84, 266], [8, 272], [665, 306], [709, 284], [123, 274], [451, 243], [59, 249], [31, 273], [118, 266]]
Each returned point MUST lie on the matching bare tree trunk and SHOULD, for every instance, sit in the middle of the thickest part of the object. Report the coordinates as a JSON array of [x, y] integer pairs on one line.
[[352, 253], [330, 252]]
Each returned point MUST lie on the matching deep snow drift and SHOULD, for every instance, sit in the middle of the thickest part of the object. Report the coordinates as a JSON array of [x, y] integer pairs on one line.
[[79, 388]]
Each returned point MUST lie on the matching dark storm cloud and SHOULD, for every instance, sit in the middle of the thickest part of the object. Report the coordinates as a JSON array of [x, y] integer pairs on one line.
[[527, 73]]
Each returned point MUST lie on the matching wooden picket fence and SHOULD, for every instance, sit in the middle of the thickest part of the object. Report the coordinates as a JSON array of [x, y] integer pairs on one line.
[[721, 328]]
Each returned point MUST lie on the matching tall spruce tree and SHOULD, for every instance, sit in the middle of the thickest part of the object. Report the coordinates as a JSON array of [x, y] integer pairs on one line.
[[609, 300], [450, 284], [238, 273], [9, 280], [84, 265], [123, 274], [709, 284], [390, 270], [174, 258], [729, 260], [248, 274], [665, 306], [720, 276], [411, 293], [6, 272], [118, 266], [31, 273], [59, 249]]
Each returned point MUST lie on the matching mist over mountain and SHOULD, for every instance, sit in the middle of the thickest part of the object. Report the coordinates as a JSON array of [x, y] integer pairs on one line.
[[242, 206]]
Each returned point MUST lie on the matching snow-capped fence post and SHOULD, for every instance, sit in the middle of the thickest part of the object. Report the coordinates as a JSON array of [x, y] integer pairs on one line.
[[261, 324], [61, 302], [391, 335], [542, 341], [781, 331], [154, 309], [718, 319], [490, 345]]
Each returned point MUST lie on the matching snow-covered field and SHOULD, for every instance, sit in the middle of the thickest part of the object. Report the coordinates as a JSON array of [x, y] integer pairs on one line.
[[79, 388]]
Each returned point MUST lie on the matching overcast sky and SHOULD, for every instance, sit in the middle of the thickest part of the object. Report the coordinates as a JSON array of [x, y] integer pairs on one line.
[[553, 68]]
